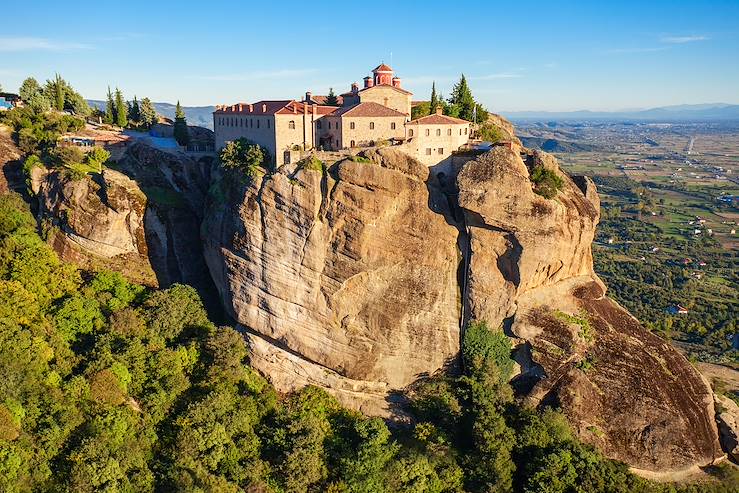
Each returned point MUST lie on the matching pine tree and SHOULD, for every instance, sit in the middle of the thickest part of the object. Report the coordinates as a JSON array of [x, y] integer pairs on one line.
[[134, 112], [462, 97], [109, 109], [331, 98], [434, 99], [121, 110], [181, 134], [148, 113], [58, 93]]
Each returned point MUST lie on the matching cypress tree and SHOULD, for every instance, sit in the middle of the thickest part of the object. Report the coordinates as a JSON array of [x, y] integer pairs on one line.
[[109, 109], [434, 99], [134, 112], [181, 134], [58, 93], [121, 118]]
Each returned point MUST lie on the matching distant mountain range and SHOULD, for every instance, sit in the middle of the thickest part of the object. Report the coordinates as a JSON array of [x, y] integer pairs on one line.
[[682, 112], [200, 116]]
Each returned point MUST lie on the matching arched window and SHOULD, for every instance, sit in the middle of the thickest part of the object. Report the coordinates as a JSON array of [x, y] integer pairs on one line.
[[438, 132], [428, 132], [291, 125], [351, 144], [449, 132], [410, 133], [372, 125], [351, 125]]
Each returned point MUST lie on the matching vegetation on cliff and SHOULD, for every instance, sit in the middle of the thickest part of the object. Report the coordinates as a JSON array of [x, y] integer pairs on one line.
[[111, 387]]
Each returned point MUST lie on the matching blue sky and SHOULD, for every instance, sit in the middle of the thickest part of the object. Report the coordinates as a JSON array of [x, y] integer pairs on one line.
[[517, 56]]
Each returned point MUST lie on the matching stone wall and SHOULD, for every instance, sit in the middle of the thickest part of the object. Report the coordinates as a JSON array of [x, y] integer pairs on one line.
[[432, 148], [387, 96]]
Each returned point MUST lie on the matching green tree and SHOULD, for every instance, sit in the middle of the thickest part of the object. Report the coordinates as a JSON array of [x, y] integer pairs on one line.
[[462, 97], [59, 93], [121, 109], [29, 88], [134, 112], [181, 133], [109, 117], [434, 102], [244, 155], [148, 113], [331, 98]]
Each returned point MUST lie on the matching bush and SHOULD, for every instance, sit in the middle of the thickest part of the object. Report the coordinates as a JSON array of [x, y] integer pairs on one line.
[[97, 157], [244, 155], [67, 156], [312, 163], [546, 182], [482, 346]]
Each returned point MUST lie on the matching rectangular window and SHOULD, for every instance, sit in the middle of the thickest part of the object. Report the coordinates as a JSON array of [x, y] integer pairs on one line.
[[392, 126], [372, 125], [428, 151], [465, 130], [449, 132], [257, 123], [318, 124], [268, 124], [441, 150], [428, 132], [351, 125], [329, 125], [438, 132]]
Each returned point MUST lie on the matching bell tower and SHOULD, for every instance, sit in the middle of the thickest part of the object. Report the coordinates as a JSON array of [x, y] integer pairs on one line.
[[383, 75]]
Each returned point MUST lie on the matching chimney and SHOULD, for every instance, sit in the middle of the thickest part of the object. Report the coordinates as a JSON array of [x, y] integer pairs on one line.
[[396, 82], [241, 107], [308, 95], [233, 108], [368, 82], [264, 108], [251, 108], [295, 108], [439, 110], [355, 87], [313, 109], [305, 109]]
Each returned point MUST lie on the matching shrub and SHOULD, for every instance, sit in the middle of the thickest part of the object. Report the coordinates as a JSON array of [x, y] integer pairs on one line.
[[244, 155], [312, 163], [546, 182], [482, 346], [97, 157], [67, 156]]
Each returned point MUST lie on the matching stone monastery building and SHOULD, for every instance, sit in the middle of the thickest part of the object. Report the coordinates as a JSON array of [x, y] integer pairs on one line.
[[376, 114]]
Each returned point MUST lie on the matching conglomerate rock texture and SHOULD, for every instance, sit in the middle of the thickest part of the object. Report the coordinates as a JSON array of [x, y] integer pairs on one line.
[[346, 279], [357, 279]]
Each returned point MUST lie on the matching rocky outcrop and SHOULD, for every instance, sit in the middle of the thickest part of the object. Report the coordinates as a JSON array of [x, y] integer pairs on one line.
[[356, 280], [727, 416], [345, 279], [96, 221], [530, 272]]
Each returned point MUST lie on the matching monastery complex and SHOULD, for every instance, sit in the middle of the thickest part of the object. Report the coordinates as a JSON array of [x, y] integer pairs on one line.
[[377, 114]]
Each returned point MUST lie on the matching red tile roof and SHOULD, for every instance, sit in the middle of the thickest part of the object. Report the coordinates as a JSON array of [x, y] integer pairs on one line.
[[438, 120], [367, 109], [278, 107], [322, 99], [382, 68]]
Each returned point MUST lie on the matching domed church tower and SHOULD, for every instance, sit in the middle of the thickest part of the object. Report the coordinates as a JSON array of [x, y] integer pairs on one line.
[[383, 75]]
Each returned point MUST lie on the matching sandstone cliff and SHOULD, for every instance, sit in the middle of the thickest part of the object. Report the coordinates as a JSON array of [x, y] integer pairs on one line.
[[96, 221], [358, 280], [142, 220], [530, 272], [345, 279]]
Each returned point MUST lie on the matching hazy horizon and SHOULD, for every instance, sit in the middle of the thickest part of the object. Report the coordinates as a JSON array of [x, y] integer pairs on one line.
[[572, 57]]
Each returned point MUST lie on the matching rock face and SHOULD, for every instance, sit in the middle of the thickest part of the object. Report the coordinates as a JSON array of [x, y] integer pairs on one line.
[[96, 221], [345, 279], [143, 221], [530, 272], [356, 280]]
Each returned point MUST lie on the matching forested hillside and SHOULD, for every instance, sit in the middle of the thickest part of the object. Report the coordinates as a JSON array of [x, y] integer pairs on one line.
[[108, 386]]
